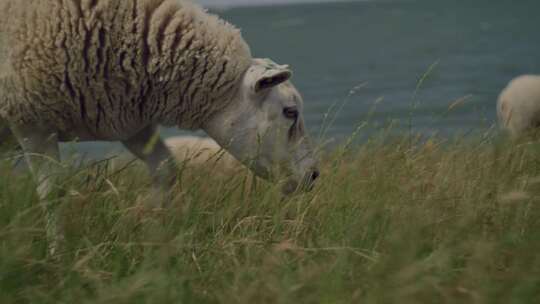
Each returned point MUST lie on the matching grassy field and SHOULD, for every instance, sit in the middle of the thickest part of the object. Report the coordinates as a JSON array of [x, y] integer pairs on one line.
[[394, 221]]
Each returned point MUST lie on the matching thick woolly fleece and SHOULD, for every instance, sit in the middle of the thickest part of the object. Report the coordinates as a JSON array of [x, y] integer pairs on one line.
[[518, 106], [111, 67]]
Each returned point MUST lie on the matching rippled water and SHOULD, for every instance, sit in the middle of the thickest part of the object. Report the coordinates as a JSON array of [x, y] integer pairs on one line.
[[473, 48]]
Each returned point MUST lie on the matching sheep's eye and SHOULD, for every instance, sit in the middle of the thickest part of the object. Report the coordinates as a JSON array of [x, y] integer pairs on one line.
[[290, 112]]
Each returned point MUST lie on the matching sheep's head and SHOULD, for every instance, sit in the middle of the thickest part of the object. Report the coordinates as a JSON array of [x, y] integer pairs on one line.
[[263, 127]]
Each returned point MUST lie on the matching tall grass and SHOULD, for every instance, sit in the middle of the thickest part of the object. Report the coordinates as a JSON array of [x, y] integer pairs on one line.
[[392, 221]]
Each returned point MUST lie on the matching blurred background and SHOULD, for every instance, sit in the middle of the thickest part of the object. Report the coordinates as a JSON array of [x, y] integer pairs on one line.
[[422, 66]]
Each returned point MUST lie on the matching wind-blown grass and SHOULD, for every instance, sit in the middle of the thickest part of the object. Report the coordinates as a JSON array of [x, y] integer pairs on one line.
[[393, 221]]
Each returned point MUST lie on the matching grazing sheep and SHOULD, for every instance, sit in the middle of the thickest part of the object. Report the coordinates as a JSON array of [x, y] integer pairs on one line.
[[194, 152], [518, 107], [200, 151], [116, 69]]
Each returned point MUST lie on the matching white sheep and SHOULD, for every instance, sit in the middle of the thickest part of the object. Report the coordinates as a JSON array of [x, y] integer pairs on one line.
[[116, 69], [200, 151], [193, 152], [518, 106]]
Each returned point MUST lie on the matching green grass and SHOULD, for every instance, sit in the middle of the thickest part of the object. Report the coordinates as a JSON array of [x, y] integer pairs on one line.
[[394, 221]]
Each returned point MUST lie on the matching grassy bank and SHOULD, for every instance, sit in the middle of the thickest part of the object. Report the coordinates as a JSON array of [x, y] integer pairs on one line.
[[391, 222]]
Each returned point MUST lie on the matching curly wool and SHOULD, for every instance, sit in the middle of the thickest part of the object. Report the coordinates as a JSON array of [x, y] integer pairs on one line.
[[111, 67], [518, 106]]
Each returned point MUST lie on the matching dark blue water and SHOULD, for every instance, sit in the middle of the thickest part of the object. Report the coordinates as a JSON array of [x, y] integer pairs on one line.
[[473, 48]]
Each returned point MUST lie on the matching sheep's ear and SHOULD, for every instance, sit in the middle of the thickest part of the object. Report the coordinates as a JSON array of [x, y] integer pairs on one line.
[[267, 74], [271, 79]]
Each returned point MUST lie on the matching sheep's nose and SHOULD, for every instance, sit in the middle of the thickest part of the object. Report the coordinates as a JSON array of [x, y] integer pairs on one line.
[[315, 174]]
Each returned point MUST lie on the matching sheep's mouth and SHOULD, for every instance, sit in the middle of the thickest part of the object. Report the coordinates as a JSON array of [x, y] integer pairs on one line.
[[308, 183], [293, 186], [290, 187]]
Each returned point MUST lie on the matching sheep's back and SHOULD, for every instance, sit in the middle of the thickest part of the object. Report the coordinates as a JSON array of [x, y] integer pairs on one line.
[[518, 105], [108, 67]]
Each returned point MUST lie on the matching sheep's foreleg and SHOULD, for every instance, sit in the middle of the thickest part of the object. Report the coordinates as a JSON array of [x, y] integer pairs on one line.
[[148, 146], [43, 157]]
